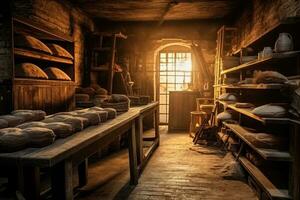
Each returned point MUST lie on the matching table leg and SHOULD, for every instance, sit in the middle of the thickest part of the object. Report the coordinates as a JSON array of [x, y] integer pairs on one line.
[[156, 124], [62, 180], [139, 140], [133, 156], [32, 183], [83, 173]]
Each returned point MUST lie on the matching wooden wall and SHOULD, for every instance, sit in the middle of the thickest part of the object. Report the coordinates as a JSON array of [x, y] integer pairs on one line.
[[259, 16]]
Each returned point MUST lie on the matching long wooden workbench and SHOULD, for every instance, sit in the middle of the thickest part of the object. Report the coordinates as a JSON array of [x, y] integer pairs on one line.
[[63, 154]]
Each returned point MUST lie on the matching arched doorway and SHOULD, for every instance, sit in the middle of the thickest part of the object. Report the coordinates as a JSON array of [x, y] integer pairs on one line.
[[174, 67]]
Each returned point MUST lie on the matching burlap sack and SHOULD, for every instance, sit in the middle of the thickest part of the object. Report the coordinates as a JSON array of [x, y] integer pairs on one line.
[[13, 120], [39, 137], [3, 123], [96, 108], [88, 90], [267, 141], [223, 116], [27, 116], [55, 73], [112, 113], [29, 70], [12, 139], [37, 114], [57, 50]]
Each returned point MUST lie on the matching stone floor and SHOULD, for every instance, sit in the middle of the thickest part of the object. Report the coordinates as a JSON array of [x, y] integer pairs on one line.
[[175, 171]]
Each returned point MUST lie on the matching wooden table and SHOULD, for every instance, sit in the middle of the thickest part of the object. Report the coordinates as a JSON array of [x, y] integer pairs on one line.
[[61, 156]]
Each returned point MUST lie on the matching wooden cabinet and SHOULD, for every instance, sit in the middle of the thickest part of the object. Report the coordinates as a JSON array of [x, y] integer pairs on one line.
[[278, 177], [181, 104]]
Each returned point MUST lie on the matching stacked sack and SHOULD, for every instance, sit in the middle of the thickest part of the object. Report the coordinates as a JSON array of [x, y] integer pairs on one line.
[[90, 96], [119, 102]]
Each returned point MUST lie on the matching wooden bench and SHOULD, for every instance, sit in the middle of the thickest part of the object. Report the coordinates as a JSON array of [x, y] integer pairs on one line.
[[61, 156]]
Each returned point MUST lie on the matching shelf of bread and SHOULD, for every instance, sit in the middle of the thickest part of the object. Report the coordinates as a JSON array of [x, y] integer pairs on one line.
[[248, 112], [271, 86], [263, 181], [264, 61], [20, 52], [266, 153]]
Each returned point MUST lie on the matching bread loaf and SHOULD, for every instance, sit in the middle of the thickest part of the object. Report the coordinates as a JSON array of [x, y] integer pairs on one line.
[[227, 97], [31, 124], [27, 41], [3, 123], [268, 77], [75, 122], [59, 51], [116, 98], [39, 137], [29, 70], [96, 108], [12, 120], [12, 139], [270, 110], [60, 129], [27, 116], [55, 73], [112, 113], [93, 117], [37, 114]]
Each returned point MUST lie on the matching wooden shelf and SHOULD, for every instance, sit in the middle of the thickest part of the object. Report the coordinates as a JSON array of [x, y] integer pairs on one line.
[[32, 81], [263, 181], [41, 56], [42, 31], [269, 36], [258, 63], [248, 113], [267, 154], [273, 86]]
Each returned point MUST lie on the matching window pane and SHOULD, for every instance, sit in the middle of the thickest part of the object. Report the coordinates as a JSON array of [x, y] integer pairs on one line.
[[179, 79], [163, 88], [163, 79], [163, 118], [171, 79], [163, 99], [163, 108], [163, 66]]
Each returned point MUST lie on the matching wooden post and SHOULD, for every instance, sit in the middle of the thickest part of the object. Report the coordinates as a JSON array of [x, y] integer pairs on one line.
[[32, 183], [83, 173], [133, 156], [62, 180], [139, 140], [156, 124]]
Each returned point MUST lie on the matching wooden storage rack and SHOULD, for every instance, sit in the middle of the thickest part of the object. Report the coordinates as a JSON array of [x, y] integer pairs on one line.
[[283, 62], [49, 95]]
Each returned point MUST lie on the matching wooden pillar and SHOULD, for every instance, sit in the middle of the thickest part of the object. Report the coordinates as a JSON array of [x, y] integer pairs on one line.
[[139, 140], [156, 124], [83, 173], [62, 181], [133, 156]]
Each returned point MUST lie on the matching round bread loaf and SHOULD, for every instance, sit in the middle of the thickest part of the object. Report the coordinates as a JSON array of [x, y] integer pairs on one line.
[[12, 139], [3, 123], [112, 113], [39, 137], [55, 73], [13, 120]]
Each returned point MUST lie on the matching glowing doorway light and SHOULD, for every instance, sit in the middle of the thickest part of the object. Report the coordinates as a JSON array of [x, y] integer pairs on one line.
[[175, 75]]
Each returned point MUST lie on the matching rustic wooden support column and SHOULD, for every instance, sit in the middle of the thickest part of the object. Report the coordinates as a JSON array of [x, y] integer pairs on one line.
[[32, 186], [139, 140], [83, 173], [156, 124], [133, 156], [62, 180]]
